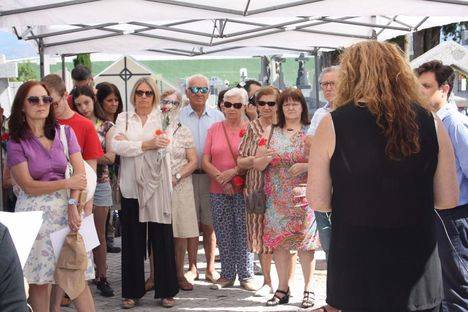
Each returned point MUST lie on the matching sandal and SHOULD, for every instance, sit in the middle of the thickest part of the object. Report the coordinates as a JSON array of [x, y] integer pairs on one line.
[[185, 285], [309, 300], [275, 300], [129, 303], [168, 302]]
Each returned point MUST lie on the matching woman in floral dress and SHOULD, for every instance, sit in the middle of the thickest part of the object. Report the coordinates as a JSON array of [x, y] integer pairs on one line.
[[289, 221]]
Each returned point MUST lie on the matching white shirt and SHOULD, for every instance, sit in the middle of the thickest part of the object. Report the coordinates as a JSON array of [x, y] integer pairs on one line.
[[128, 149], [317, 118]]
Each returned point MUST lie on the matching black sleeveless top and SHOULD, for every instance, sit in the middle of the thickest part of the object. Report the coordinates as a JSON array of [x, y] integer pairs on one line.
[[383, 251]]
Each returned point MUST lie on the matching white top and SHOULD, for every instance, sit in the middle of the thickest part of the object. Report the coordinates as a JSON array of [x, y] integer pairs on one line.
[[130, 148], [317, 118]]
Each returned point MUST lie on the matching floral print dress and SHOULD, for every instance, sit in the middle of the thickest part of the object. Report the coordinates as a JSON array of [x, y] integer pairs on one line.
[[289, 221]]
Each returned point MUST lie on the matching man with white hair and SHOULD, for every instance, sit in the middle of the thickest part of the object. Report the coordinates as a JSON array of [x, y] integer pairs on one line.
[[199, 118]]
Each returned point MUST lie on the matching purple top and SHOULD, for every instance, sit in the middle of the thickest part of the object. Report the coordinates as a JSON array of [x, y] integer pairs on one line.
[[43, 164]]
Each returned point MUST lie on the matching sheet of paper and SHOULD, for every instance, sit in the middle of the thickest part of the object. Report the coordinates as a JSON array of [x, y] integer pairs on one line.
[[87, 231], [23, 228]]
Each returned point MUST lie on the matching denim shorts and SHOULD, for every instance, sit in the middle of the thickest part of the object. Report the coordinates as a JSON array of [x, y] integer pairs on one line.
[[103, 195]]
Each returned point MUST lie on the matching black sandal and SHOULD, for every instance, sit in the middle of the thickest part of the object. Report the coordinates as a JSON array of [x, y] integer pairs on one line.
[[275, 300], [309, 300]]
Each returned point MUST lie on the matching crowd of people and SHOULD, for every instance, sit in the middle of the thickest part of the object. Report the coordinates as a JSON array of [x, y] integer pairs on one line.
[[378, 178]]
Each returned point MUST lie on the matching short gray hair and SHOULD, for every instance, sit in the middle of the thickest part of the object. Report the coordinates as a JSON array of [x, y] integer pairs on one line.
[[240, 92], [199, 76], [327, 70]]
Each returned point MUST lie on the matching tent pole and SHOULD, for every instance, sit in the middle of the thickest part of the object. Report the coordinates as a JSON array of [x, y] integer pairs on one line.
[[41, 58], [63, 70], [316, 78]]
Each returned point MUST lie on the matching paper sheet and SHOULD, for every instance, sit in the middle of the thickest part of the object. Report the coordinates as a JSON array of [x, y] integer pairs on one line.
[[87, 231], [23, 228]]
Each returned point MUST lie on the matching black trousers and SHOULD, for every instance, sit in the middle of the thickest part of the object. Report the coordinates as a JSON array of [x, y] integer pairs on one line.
[[135, 237]]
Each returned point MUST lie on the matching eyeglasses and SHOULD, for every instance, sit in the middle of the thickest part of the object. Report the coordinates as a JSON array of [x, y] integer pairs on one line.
[[327, 84], [141, 92], [36, 100], [236, 105], [263, 103], [170, 102], [292, 104], [195, 90]]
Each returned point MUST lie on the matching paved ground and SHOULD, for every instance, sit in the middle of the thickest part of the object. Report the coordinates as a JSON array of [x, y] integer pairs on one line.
[[202, 298]]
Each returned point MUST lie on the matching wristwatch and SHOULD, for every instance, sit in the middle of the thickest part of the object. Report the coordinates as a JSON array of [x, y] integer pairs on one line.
[[72, 201], [178, 177]]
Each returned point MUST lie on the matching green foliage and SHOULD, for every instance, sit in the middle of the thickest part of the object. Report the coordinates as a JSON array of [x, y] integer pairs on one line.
[[27, 71], [454, 31], [84, 59]]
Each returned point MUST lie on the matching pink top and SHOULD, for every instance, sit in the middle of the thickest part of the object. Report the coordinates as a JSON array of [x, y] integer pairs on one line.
[[217, 148]]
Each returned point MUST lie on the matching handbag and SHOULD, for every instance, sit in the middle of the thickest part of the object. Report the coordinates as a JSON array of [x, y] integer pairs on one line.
[[255, 201], [91, 177]]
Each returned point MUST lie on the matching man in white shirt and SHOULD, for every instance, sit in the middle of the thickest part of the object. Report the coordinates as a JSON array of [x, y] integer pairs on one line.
[[199, 118]]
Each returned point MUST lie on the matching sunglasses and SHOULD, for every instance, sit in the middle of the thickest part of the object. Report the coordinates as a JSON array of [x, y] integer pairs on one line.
[[170, 102], [36, 100], [263, 103], [236, 105], [141, 92], [195, 90]]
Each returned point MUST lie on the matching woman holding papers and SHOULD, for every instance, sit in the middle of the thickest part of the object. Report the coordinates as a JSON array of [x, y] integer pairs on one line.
[[145, 182], [37, 162]]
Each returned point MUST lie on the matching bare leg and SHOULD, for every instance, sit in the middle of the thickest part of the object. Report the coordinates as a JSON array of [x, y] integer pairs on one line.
[[100, 252], [265, 263], [56, 296], [292, 268], [39, 297], [85, 302], [151, 276], [282, 262], [209, 243], [192, 250], [308, 267], [180, 245]]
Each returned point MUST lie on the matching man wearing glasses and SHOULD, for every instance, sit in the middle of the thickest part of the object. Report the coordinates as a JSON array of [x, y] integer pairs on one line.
[[199, 118]]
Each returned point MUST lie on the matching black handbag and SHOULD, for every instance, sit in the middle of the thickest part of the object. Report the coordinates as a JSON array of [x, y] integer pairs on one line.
[[255, 201]]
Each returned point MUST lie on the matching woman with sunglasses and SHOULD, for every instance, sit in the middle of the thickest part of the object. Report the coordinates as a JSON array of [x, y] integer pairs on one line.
[[227, 202], [84, 103], [145, 183], [289, 221], [258, 130], [184, 161], [38, 163]]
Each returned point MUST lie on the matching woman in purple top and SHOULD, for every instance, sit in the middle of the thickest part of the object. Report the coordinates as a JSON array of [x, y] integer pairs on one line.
[[37, 162]]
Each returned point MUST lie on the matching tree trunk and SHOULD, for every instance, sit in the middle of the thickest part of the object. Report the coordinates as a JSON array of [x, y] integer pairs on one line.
[[425, 39]]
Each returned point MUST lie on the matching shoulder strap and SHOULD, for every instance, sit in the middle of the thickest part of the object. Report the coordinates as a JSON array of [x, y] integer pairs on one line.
[[229, 143], [64, 140]]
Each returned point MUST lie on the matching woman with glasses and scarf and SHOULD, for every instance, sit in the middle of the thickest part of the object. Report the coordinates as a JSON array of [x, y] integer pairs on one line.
[[183, 162], [227, 201], [37, 162], [145, 183]]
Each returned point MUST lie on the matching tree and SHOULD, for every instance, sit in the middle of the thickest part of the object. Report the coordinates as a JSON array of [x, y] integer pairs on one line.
[[26, 72], [84, 59]]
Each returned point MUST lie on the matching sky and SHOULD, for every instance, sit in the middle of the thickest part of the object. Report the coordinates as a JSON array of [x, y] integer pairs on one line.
[[13, 48]]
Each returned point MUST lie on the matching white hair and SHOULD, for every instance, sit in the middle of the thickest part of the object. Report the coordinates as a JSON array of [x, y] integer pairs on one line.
[[327, 70], [240, 92], [199, 76]]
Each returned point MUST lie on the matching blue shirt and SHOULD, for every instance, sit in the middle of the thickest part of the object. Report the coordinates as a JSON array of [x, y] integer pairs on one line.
[[199, 125], [457, 127]]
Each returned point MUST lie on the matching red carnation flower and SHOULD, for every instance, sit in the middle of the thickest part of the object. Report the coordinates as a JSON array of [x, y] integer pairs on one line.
[[262, 142], [238, 181], [158, 132], [242, 133], [5, 136]]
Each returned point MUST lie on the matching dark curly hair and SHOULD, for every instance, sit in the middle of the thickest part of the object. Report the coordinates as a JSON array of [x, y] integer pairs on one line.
[[18, 126]]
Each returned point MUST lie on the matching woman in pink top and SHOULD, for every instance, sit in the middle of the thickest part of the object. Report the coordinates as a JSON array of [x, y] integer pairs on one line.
[[227, 202]]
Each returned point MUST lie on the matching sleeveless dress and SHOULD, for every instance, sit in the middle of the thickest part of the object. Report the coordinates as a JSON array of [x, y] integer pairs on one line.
[[383, 251]]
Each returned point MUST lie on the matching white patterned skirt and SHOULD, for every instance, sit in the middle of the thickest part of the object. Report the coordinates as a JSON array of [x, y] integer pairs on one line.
[[40, 266]]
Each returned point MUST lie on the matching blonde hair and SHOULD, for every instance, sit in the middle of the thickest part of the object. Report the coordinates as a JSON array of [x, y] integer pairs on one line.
[[376, 75], [151, 82]]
